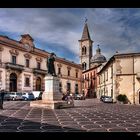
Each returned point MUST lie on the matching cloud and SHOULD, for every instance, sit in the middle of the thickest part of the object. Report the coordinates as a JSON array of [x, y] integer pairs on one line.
[[59, 29]]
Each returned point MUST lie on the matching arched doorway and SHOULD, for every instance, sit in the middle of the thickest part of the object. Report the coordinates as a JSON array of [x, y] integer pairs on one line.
[[13, 82], [38, 84]]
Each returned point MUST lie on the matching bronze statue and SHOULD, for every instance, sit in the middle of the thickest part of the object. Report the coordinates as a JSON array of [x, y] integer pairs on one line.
[[50, 64]]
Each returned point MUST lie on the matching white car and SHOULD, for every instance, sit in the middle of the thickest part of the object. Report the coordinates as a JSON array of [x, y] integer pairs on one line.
[[36, 94], [16, 96]]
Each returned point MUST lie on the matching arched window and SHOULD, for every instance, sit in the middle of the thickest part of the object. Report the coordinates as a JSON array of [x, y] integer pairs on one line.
[[85, 66], [85, 50], [60, 87], [76, 89], [82, 50]]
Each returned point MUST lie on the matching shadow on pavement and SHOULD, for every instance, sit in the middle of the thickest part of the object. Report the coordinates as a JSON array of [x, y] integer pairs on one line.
[[22, 123]]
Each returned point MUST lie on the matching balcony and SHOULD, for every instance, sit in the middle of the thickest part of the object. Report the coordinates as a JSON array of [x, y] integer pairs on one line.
[[14, 66], [39, 71], [138, 75]]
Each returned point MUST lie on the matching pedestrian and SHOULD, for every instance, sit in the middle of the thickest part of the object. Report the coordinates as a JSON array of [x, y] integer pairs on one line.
[[2, 93]]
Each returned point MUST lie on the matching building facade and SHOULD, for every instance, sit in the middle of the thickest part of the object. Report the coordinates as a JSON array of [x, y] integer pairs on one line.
[[23, 67], [89, 80], [120, 75]]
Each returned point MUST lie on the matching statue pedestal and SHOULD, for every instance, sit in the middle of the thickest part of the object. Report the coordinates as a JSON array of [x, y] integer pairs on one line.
[[51, 98]]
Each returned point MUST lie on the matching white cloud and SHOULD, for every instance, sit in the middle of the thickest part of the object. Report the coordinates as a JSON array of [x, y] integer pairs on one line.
[[113, 29]]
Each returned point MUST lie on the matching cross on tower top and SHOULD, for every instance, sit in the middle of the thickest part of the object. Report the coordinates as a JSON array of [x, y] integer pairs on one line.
[[86, 20]]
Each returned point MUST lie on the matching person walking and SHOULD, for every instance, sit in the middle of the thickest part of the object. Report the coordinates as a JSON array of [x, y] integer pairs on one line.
[[2, 93]]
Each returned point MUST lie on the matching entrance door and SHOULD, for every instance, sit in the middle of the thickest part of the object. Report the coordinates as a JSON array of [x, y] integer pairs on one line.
[[38, 84], [68, 88], [13, 82]]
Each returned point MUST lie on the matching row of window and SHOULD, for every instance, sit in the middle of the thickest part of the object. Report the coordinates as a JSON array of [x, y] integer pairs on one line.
[[27, 64], [106, 92], [27, 84], [104, 76], [69, 87], [89, 76]]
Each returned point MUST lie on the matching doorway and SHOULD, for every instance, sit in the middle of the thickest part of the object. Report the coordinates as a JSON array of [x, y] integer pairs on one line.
[[13, 82], [38, 84]]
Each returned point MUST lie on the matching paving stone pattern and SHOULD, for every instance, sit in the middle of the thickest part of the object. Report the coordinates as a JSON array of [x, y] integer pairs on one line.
[[88, 115]]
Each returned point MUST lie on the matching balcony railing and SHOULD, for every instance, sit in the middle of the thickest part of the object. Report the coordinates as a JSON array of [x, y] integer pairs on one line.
[[14, 66], [39, 71]]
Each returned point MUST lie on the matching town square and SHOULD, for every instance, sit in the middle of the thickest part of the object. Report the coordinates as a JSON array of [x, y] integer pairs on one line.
[[69, 70], [90, 115]]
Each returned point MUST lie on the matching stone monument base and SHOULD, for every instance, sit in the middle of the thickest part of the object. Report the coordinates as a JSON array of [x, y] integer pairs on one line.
[[52, 98], [51, 104]]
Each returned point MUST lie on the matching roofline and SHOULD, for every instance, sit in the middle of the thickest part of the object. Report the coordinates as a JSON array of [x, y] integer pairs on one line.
[[18, 44], [91, 69], [116, 56]]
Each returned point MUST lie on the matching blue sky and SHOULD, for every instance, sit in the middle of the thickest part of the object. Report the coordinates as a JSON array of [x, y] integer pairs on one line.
[[59, 29]]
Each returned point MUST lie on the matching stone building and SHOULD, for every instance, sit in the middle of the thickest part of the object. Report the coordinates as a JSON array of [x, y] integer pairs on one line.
[[90, 82], [120, 75], [85, 48], [23, 67], [89, 63]]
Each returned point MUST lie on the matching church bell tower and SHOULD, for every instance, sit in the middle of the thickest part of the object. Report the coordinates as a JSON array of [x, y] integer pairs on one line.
[[85, 48]]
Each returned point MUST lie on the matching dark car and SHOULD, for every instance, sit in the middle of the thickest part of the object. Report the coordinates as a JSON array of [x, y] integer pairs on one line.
[[27, 96], [40, 96], [79, 97], [7, 97], [102, 97]]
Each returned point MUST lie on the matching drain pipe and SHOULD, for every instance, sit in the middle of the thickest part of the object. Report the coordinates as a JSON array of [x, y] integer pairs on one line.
[[133, 83]]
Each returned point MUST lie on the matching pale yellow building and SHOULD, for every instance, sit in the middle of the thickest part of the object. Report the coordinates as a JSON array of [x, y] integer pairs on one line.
[[23, 67], [120, 75]]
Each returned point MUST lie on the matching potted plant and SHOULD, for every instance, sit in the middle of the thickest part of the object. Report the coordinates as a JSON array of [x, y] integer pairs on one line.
[[122, 98]]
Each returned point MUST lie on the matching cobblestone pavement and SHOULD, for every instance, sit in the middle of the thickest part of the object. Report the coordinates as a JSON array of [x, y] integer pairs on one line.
[[88, 115]]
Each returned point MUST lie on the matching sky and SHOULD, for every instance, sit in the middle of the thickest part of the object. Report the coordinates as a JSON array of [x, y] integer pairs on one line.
[[59, 29]]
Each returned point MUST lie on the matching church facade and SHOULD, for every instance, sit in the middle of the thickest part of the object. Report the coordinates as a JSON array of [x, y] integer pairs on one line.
[[24, 66]]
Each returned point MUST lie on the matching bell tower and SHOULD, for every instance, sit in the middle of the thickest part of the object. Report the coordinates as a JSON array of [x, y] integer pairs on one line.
[[85, 48]]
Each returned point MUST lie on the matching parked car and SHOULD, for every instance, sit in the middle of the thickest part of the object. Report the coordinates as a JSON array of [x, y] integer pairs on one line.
[[27, 96], [36, 94], [7, 97], [107, 99], [40, 96], [79, 97], [16, 96], [102, 97]]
